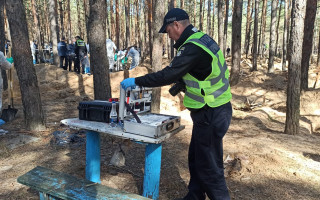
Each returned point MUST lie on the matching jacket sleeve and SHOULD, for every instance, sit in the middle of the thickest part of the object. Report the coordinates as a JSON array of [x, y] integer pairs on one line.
[[181, 64], [4, 64]]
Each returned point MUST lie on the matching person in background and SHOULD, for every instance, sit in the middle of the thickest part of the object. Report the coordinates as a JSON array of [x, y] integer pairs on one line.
[[5, 64], [62, 52], [7, 45], [81, 52], [121, 59], [228, 51], [135, 57], [88, 48], [34, 49], [71, 53], [111, 49], [46, 52], [201, 66]]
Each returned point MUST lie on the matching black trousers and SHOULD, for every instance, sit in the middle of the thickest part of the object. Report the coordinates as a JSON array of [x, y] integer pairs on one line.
[[65, 59], [71, 58], [77, 63], [206, 153]]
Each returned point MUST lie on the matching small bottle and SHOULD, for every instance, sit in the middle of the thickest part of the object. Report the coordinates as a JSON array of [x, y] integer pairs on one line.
[[113, 115]]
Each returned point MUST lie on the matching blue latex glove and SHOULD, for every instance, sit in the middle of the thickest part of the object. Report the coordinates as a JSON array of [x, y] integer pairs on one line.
[[10, 60], [128, 82]]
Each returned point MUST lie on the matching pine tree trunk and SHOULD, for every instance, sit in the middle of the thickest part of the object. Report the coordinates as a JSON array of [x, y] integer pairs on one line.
[[255, 37], [294, 75], [149, 2], [248, 28], [201, 17], [172, 5], [21, 52], [225, 27], [133, 34], [277, 33], [146, 31], [36, 26], [289, 48], [57, 18], [2, 33], [79, 19], [139, 27], [236, 42], [86, 18], [194, 12], [272, 45], [127, 9], [112, 32], [42, 20], [117, 31], [47, 22], [318, 57], [2, 44], [221, 8], [311, 9], [263, 28], [61, 18], [182, 4], [158, 13], [122, 27], [66, 20], [53, 30], [99, 60], [69, 21], [209, 19], [213, 14], [284, 42], [108, 23]]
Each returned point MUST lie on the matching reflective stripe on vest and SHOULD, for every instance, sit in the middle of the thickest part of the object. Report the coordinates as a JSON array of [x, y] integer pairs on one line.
[[206, 41], [213, 81]]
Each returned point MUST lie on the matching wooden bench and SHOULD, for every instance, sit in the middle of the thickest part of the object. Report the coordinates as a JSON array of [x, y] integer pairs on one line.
[[57, 185]]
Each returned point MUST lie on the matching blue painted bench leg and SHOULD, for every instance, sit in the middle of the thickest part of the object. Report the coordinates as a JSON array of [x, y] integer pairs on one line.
[[44, 196], [152, 167], [93, 156]]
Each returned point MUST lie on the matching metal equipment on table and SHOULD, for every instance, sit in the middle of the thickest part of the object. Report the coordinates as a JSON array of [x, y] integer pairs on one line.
[[141, 126], [139, 100], [135, 115]]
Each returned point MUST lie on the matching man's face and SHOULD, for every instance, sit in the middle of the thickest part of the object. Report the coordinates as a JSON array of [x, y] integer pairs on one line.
[[173, 31]]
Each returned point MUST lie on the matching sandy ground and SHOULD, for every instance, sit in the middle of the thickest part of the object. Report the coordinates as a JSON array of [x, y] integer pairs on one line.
[[261, 162]]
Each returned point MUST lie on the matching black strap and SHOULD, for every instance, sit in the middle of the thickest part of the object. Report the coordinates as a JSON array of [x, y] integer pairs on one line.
[[132, 112]]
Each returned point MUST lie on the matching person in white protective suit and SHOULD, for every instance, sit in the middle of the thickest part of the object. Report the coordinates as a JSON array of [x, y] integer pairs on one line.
[[111, 48], [121, 59], [34, 48], [5, 64], [134, 54]]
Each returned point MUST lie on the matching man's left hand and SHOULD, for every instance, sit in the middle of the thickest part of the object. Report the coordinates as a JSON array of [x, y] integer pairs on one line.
[[128, 82]]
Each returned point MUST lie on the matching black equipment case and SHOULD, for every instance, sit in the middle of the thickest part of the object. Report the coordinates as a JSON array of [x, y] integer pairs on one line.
[[96, 110]]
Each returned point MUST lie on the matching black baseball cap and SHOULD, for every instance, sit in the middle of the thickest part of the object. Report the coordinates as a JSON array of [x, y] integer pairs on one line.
[[175, 14]]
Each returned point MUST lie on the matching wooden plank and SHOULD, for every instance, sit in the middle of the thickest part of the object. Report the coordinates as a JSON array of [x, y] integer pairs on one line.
[[67, 187], [102, 127]]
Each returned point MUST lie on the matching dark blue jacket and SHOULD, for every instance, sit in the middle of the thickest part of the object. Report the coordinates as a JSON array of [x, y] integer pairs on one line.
[[62, 48], [71, 49]]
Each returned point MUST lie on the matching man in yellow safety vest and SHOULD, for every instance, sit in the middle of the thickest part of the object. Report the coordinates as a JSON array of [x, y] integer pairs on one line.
[[201, 68]]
